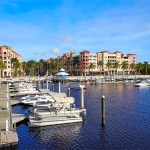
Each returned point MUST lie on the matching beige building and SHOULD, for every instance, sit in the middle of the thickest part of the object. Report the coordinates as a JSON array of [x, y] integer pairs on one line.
[[117, 56], [6, 54], [86, 58]]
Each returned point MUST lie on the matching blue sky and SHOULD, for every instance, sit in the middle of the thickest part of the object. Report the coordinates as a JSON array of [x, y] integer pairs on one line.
[[41, 29]]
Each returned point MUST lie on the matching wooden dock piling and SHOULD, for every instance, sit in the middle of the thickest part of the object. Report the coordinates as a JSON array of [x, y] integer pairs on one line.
[[103, 110], [68, 92], [53, 87]]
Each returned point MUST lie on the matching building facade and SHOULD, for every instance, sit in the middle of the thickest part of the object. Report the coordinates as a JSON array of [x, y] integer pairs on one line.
[[106, 57], [80, 64], [6, 54]]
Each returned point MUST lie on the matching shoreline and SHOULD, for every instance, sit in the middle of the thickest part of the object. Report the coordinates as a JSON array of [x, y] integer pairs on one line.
[[36, 78]]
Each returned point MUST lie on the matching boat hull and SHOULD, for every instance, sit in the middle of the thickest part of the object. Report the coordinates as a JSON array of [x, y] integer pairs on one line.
[[54, 121]]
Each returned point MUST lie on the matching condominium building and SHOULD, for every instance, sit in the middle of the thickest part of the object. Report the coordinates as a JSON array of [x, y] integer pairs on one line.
[[68, 61], [6, 54], [80, 64], [86, 58], [117, 56]]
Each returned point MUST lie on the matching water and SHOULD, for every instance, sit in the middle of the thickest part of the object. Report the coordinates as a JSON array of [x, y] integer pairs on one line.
[[127, 124]]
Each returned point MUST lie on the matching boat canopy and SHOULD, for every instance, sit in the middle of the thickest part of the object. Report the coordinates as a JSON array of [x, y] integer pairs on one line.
[[58, 94], [64, 99]]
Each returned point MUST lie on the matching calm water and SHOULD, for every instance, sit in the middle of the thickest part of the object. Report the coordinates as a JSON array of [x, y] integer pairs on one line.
[[127, 122]]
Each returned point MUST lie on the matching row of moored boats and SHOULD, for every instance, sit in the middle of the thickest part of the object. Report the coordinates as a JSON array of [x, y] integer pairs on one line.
[[49, 109]]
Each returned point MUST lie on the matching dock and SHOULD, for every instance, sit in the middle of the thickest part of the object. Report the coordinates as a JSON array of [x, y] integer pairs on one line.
[[8, 120], [8, 139]]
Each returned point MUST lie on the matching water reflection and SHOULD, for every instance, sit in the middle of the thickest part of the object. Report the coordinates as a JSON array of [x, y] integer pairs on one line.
[[68, 131]]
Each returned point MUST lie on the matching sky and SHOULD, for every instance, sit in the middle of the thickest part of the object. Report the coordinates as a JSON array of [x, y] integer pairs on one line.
[[42, 29]]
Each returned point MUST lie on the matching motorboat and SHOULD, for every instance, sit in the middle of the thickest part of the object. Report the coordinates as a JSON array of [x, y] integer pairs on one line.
[[56, 120], [30, 97], [142, 84], [27, 90], [53, 115], [56, 117], [76, 86], [59, 106], [42, 98]]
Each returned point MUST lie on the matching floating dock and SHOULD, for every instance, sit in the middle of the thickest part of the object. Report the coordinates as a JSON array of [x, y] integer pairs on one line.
[[8, 121]]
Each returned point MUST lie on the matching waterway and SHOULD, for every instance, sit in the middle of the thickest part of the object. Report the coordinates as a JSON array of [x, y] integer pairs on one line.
[[127, 123]]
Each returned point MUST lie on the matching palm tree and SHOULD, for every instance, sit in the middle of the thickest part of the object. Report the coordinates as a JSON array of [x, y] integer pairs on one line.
[[15, 65], [124, 66], [139, 67], [132, 67], [41, 70], [92, 66], [31, 66], [100, 63], [57, 65], [51, 67], [145, 66], [116, 65], [109, 65], [2, 66], [24, 67]]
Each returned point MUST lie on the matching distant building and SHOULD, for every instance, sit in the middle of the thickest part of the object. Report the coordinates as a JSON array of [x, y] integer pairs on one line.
[[86, 58], [79, 64], [117, 56], [6, 54]]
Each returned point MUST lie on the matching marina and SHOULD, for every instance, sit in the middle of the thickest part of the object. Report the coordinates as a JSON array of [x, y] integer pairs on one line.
[[75, 75], [126, 122]]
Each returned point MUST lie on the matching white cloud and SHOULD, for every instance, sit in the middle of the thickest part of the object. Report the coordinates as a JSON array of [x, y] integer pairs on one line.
[[55, 51]]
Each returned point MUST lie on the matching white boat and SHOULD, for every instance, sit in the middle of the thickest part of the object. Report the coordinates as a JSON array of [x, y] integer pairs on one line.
[[57, 120], [57, 117], [52, 115], [76, 86], [30, 97], [42, 98], [142, 84], [26, 90], [58, 105]]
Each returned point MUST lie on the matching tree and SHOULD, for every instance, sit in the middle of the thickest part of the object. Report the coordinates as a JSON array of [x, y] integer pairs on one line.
[[31, 66], [24, 67], [145, 66], [2, 66], [116, 65], [100, 63], [92, 66], [109, 65], [139, 67], [57, 65], [132, 67], [15, 65], [124, 66]]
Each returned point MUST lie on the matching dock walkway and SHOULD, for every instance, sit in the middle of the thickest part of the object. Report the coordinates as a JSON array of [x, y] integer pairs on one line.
[[8, 134]]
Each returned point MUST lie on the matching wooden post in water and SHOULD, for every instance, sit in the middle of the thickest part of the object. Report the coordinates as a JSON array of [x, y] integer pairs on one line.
[[39, 84], [59, 87], [47, 84], [69, 92], [103, 110], [53, 87], [82, 96]]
